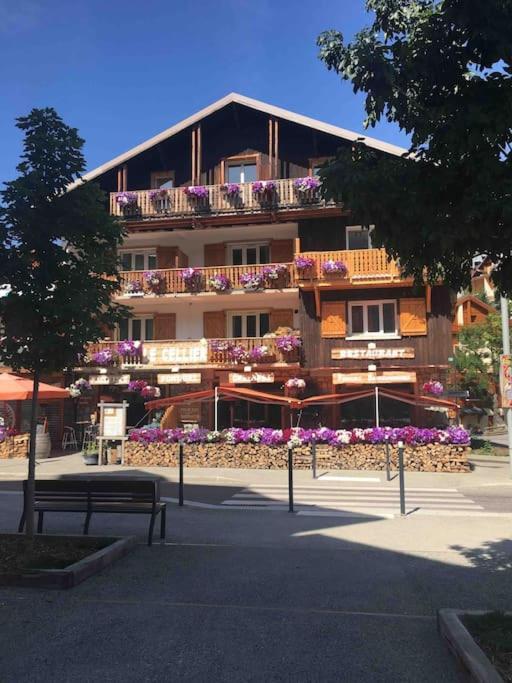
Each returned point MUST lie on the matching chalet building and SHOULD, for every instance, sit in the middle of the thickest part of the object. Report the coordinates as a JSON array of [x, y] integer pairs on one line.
[[245, 258]]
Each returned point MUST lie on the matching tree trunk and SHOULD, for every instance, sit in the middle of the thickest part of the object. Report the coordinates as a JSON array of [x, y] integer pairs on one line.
[[29, 496]]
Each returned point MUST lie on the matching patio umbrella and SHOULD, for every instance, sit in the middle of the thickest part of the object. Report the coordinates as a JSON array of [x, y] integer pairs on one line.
[[14, 388]]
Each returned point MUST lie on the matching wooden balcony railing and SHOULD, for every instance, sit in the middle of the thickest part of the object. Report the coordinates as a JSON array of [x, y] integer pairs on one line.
[[363, 267], [173, 281], [226, 351], [176, 203]]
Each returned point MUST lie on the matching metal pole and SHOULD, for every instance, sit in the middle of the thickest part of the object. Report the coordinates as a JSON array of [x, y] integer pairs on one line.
[[505, 333], [216, 409], [180, 486], [388, 473], [377, 417], [401, 475], [290, 479], [313, 457]]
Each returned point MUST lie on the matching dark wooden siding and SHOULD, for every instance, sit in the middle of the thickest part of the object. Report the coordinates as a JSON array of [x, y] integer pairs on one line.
[[325, 234], [431, 349]]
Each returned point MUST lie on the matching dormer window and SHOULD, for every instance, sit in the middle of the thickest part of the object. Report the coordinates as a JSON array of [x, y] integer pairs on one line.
[[241, 169]]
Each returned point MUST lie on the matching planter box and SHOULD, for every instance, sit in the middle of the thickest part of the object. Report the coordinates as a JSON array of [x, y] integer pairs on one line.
[[432, 458], [462, 644], [75, 573]]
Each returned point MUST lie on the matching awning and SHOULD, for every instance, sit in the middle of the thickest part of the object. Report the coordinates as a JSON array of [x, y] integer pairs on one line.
[[14, 388]]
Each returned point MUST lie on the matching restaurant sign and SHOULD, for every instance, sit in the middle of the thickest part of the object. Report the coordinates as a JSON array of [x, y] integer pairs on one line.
[[105, 380], [251, 378], [365, 353], [179, 378], [393, 377], [506, 381], [182, 353]]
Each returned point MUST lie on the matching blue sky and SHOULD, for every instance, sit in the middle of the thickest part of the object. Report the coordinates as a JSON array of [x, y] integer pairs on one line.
[[122, 71]]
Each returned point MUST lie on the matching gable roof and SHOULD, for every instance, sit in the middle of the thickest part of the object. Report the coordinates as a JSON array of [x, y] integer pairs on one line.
[[253, 104], [476, 302]]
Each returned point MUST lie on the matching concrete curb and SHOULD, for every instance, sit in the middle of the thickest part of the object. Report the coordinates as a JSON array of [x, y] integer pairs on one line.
[[471, 657], [75, 573]]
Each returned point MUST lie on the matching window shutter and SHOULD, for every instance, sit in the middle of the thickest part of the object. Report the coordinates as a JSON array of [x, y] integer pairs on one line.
[[281, 251], [164, 326], [215, 254], [334, 319], [281, 317], [170, 257], [214, 324], [413, 317]]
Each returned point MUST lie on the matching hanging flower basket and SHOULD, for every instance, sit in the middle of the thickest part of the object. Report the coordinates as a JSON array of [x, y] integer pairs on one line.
[[251, 282], [264, 189], [219, 283], [129, 348], [306, 188], [126, 200], [105, 358], [155, 281], [80, 387], [146, 391], [288, 343], [192, 278], [294, 386], [331, 267], [231, 190], [275, 274], [433, 387], [304, 265], [134, 288], [196, 193]]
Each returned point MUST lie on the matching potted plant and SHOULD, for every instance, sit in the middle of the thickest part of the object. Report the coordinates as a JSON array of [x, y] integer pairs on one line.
[[90, 453], [332, 267], [258, 353], [127, 201], [237, 354], [80, 387], [192, 277], [433, 387], [295, 386], [105, 358], [154, 281], [264, 189], [275, 273], [129, 348], [251, 282], [307, 187], [231, 191], [158, 198], [304, 265], [288, 344], [219, 283], [198, 194], [133, 288]]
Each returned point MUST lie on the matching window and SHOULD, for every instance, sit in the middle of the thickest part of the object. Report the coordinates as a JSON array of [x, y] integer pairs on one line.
[[358, 237], [138, 260], [248, 324], [248, 254], [243, 171], [372, 319], [162, 180], [136, 329]]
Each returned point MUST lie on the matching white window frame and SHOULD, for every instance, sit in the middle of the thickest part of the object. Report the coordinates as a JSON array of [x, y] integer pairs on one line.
[[137, 252], [143, 319], [242, 162], [358, 228], [373, 335], [244, 246], [244, 315]]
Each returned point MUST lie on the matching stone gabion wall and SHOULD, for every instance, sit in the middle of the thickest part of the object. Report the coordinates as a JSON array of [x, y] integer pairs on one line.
[[429, 458]]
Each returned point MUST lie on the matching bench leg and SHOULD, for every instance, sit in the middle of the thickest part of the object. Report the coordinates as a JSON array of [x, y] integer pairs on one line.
[[40, 519], [87, 522], [22, 522], [163, 514], [151, 527]]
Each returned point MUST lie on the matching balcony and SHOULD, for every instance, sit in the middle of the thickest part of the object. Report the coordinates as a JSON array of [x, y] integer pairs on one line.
[[363, 267], [226, 352], [175, 203], [275, 276]]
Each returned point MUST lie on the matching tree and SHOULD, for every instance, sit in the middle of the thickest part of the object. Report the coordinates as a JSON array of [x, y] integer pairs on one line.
[[441, 70], [58, 258]]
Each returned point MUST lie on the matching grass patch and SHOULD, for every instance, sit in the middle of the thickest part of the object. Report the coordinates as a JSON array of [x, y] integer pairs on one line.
[[493, 632], [18, 553]]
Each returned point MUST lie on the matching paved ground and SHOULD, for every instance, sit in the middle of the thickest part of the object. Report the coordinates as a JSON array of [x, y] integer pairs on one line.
[[263, 595]]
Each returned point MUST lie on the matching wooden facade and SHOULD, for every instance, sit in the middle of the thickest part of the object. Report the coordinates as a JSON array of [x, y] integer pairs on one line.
[[248, 233]]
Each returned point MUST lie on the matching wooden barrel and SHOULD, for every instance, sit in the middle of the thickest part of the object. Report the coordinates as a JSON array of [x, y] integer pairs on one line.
[[43, 445]]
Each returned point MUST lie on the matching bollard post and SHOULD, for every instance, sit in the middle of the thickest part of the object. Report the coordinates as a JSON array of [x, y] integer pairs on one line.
[[401, 477], [313, 457], [388, 465], [290, 479], [180, 484]]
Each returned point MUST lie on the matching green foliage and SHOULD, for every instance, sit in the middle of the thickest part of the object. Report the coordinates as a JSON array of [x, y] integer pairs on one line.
[[58, 252], [442, 71]]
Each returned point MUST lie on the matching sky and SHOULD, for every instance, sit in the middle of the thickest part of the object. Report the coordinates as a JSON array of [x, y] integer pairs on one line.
[[122, 71]]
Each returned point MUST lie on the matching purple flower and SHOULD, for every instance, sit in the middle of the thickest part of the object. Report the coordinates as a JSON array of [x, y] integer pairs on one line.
[[262, 187], [129, 347], [104, 357], [219, 283], [303, 262], [154, 280], [196, 192], [252, 281], [237, 354], [275, 271], [258, 353], [192, 278], [220, 345], [133, 287], [126, 198], [332, 266], [231, 189], [433, 387], [288, 343], [307, 184], [155, 195]]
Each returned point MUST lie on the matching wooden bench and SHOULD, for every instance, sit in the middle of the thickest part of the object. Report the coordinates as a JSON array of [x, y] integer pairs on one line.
[[132, 496]]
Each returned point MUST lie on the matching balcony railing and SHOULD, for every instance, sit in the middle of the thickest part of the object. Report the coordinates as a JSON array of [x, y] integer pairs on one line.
[[176, 203], [196, 352], [363, 267], [173, 282]]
